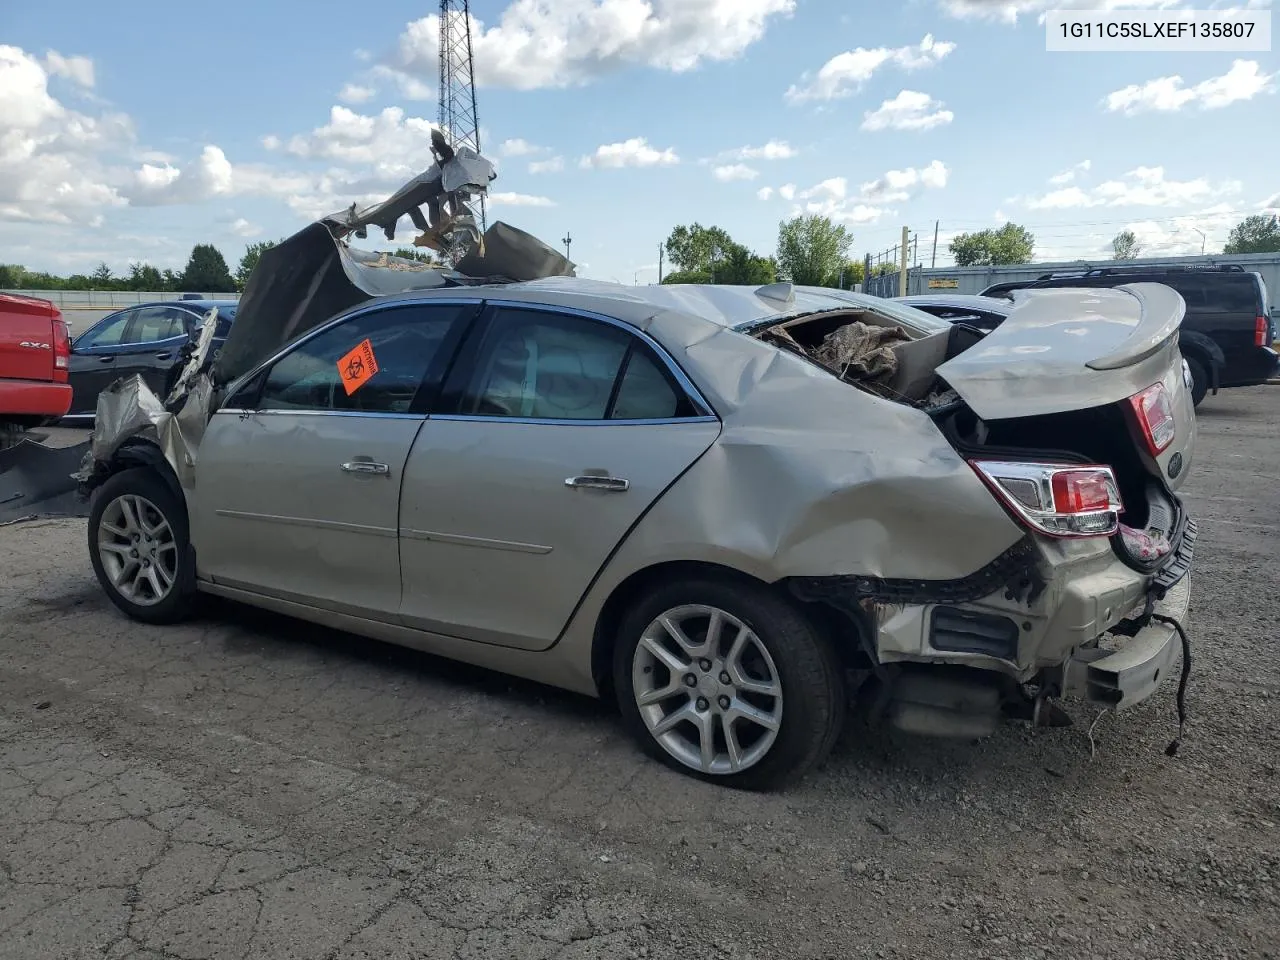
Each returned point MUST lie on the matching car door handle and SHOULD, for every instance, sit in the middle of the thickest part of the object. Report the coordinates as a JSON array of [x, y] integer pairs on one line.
[[106, 359], [612, 484], [163, 356], [366, 466]]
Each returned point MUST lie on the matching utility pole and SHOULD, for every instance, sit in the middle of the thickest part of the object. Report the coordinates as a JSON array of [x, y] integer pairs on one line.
[[566, 240], [1202, 239], [866, 273], [662, 250], [902, 273], [933, 261]]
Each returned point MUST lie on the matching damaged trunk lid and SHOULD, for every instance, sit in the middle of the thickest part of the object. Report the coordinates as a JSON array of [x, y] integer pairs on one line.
[[1074, 358]]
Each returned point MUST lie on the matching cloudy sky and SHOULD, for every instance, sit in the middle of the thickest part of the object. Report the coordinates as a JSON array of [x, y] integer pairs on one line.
[[132, 136]]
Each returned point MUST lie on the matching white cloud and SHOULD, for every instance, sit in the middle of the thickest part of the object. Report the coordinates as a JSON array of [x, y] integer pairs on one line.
[[764, 193], [1066, 176], [787, 191], [213, 175], [243, 228], [832, 197], [52, 166], [1010, 10], [520, 148], [1271, 204], [1142, 186], [1244, 81], [410, 87], [846, 72], [354, 93], [77, 69], [734, 171], [519, 200], [909, 110], [393, 145], [550, 165], [773, 150], [635, 152], [899, 185], [537, 44]]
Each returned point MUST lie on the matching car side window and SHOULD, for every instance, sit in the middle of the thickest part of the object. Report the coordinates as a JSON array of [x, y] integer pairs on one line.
[[337, 370], [549, 366], [109, 334], [152, 324]]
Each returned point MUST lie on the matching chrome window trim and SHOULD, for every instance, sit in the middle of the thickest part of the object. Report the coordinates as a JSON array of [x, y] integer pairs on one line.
[[700, 418], [241, 412], [695, 396], [333, 322], [692, 393]]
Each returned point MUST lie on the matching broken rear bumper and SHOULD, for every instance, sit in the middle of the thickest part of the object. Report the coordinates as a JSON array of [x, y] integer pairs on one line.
[[1121, 672]]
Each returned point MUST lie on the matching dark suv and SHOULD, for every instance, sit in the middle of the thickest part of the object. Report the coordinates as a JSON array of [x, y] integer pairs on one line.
[[1227, 332]]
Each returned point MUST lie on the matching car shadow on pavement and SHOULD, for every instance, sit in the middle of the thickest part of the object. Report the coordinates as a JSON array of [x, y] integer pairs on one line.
[[262, 633]]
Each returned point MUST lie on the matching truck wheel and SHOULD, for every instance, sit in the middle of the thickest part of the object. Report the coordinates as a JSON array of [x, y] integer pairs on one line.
[[1200, 379], [138, 544]]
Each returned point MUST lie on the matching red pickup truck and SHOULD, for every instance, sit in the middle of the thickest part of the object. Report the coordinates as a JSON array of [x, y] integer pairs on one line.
[[35, 353]]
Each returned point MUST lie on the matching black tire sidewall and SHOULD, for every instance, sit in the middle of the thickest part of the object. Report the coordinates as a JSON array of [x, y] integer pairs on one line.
[[145, 482], [809, 670]]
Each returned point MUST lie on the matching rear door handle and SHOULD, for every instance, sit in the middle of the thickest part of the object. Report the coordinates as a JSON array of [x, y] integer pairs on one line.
[[612, 484], [106, 359], [163, 356], [366, 466]]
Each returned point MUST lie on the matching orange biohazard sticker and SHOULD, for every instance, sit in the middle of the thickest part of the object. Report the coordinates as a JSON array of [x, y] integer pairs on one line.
[[358, 366]]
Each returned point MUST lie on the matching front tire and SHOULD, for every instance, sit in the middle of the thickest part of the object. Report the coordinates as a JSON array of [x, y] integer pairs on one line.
[[138, 544], [729, 683]]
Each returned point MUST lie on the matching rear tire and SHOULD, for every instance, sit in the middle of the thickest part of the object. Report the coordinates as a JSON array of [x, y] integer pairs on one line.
[[139, 547], [11, 434], [1200, 379], [729, 725]]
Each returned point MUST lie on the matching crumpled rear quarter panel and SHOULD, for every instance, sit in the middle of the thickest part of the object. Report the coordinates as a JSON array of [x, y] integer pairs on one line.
[[809, 477]]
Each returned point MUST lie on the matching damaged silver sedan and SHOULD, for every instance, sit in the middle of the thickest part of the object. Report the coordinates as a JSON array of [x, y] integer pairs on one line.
[[734, 510]]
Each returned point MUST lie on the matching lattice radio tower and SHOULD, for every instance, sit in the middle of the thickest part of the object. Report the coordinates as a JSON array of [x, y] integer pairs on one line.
[[459, 118]]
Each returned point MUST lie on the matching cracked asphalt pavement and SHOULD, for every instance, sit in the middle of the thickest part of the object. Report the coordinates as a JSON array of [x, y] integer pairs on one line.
[[245, 786]]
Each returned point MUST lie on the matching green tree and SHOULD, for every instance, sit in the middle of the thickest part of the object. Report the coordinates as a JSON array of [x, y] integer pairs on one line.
[[812, 249], [252, 254], [695, 247], [1125, 246], [102, 278], [170, 280], [1259, 233], [417, 253], [1009, 244], [207, 271], [143, 276], [12, 276]]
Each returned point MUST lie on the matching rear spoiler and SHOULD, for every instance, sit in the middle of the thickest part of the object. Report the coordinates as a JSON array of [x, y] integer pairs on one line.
[[1162, 311]]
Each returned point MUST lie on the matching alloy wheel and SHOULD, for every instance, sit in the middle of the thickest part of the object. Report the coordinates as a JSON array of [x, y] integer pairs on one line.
[[138, 550], [707, 689]]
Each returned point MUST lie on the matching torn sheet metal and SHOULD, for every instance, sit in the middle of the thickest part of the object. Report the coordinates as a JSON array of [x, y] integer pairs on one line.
[[127, 410], [36, 481], [195, 362]]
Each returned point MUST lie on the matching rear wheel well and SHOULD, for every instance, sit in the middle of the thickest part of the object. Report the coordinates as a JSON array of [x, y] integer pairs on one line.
[[833, 623]]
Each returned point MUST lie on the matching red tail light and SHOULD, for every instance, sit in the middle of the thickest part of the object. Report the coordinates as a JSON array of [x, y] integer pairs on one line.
[[1054, 498], [1154, 414], [61, 350], [1262, 332]]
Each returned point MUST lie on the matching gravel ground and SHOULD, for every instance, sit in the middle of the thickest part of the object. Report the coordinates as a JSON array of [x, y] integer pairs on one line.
[[245, 786]]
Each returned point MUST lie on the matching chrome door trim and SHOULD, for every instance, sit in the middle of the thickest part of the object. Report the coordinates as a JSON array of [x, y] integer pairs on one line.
[[244, 412], [514, 546], [607, 484], [308, 522]]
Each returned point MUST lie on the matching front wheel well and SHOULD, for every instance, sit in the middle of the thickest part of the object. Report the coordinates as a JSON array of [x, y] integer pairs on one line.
[[830, 621], [134, 453]]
